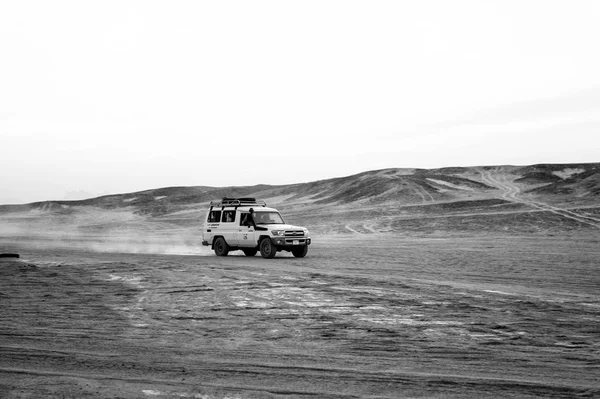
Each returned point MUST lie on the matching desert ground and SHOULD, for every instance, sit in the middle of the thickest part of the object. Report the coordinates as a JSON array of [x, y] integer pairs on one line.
[[461, 283]]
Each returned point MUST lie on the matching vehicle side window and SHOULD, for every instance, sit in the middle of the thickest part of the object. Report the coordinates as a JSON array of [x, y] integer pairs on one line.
[[244, 218], [214, 216], [228, 216]]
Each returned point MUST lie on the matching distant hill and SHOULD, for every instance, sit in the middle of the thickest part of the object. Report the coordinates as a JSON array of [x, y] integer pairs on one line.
[[535, 198], [399, 186]]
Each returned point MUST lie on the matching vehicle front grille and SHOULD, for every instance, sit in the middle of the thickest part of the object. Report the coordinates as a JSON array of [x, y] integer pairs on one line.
[[294, 233]]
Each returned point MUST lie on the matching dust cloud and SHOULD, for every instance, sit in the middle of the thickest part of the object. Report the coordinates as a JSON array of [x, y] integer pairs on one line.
[[98, 231]]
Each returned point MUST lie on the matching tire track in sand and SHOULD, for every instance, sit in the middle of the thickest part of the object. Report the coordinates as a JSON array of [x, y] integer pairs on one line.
[[347, 227], [511, 192], [369, 229]]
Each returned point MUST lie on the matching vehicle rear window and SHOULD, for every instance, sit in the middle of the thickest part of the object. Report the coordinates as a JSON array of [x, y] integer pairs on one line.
[[228, 216], [214, 216]]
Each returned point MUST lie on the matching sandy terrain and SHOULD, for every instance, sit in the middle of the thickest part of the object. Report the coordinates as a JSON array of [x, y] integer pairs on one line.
[[451, 283], [377, 317]]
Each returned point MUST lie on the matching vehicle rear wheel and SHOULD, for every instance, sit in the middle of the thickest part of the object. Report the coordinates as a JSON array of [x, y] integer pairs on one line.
[[250, 251], [221, 247], [300, 252], [267, 249]]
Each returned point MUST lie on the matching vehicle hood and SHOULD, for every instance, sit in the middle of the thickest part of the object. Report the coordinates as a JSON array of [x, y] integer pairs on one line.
[[281, 227]]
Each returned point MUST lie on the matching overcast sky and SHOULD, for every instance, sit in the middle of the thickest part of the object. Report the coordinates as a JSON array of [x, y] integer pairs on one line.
[[105, 96]]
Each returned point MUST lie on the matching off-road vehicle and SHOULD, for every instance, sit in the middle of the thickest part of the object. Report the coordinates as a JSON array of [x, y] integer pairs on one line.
[[249, 225]]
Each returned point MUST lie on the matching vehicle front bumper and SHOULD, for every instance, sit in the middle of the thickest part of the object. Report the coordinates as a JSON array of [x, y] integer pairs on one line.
[[289, 241]]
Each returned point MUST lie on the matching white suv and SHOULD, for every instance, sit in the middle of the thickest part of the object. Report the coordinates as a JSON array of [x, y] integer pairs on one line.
[[249, 225]]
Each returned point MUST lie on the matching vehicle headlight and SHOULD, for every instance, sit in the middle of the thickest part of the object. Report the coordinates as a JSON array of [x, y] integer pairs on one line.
[[306, 232], [278, 232]]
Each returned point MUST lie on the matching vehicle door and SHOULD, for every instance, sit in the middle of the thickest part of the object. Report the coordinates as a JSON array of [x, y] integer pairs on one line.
[[228, 227], [212, 224], [245, 233]]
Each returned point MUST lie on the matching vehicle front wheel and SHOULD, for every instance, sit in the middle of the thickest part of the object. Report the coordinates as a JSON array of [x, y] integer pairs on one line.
[[221, 247], [250, 252], [267, 249], [300, 252]]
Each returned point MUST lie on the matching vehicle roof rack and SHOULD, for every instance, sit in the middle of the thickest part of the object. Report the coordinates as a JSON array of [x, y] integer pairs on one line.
[[243, 201]]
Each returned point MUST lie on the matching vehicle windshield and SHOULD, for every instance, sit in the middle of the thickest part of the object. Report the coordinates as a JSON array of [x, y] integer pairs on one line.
[[268, 218]]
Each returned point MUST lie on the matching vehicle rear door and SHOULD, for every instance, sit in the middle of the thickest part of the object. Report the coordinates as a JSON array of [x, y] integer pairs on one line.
[[228, 227], [213, 221]]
